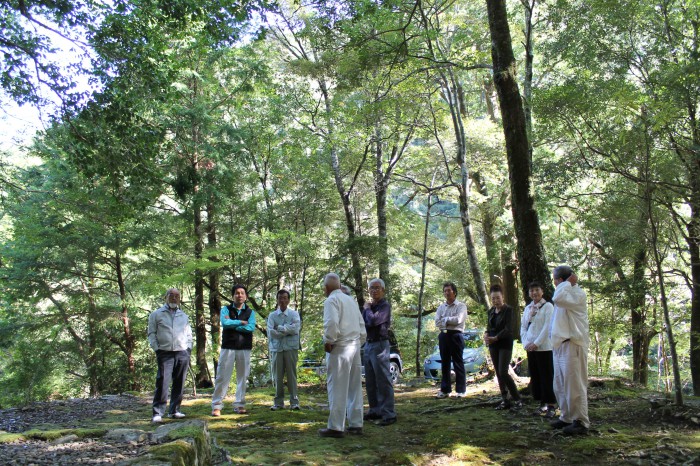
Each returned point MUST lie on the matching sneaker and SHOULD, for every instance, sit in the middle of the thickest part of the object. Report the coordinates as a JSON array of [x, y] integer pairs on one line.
[[517, 405], [276, 407], [240, 410], [503, 405], [296, 408], [371, 417], [157, 418], [177, 415], [551, 412], [216, 412], [559, 424], [387, 422], [576, 428], [461, 394], [354, 430], [441, 394], [331, 433]]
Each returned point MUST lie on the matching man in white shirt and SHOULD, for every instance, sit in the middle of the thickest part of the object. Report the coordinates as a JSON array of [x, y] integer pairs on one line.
[[343, 335], [449, 319], [283, 332], [570, 341]]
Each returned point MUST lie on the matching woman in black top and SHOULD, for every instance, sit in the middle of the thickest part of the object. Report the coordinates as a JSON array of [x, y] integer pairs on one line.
[[499, 338]]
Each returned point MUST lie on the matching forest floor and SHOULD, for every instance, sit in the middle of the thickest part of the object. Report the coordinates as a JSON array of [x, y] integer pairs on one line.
[[629, 426]]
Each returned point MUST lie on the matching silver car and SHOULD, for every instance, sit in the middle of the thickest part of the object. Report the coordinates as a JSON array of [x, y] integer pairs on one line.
[[474, 357]]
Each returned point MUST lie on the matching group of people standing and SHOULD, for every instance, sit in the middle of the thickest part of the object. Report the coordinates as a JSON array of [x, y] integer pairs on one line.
[[345, 330], [555, 337]]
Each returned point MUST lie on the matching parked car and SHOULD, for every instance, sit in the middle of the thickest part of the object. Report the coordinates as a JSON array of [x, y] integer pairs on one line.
[[474, 357], [395, 364]]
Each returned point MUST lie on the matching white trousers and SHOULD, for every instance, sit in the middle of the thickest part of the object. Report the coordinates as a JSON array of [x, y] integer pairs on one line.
[[571, 382], [345, 386], [227, 359]]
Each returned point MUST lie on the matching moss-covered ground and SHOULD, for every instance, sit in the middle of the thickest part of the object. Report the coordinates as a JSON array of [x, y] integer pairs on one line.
[[430, 431], [452, 431]]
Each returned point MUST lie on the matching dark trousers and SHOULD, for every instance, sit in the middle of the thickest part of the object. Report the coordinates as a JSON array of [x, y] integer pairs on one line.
[[380, 391], [501, 362], [541, 376], [452, 354], [172, 366]]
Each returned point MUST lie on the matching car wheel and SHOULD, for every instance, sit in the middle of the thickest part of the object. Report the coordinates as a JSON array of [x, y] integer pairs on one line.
[[395, 372]]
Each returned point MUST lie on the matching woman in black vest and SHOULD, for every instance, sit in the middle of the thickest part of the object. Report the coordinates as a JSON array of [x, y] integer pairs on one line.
[[499, 338], [238, 323]]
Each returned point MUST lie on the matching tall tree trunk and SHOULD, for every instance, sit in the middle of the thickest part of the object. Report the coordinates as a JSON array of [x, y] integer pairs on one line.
[[214, 295], [424, 263], [129, 343], [202, 376], [450, 88], [356, 271], [488, 225], [529, 6], [531, 256], [380, 192]]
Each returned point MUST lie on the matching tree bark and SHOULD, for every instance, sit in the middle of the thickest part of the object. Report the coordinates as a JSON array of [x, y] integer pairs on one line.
[[129, 343], [531, 256], [214, 295]]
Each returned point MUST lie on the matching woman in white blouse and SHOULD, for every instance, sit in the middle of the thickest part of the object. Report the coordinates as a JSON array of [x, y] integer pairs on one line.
[[534, 332]]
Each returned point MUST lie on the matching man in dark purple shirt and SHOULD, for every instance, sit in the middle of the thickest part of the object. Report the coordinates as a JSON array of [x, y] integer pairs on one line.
[[380, 391]]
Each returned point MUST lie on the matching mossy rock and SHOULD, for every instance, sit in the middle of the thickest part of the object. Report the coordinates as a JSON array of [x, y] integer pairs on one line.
[[187, 444]]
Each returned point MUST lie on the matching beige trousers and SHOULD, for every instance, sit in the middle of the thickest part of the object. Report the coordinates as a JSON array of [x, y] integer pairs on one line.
[[571, 382]]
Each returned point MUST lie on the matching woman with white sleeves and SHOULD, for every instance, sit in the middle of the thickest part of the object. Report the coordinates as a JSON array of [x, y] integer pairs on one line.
[[534, 333]]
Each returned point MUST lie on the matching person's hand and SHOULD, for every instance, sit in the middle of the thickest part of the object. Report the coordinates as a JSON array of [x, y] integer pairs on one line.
[[573, 279], [531, 347], [244, 322], [328, 347]]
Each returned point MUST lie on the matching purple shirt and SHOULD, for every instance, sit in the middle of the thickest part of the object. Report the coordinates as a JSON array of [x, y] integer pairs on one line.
[[377, 320]]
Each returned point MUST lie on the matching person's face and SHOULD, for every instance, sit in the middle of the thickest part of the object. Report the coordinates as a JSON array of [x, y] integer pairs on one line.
[[376, 292], [536, 294], [556, 280], [173, 297], [283, 301], [239, 297], [497, 299], [449, 294]]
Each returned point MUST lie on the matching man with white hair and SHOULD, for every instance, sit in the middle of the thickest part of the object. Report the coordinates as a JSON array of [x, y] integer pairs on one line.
[[343, 334], [170, 336], [570, 340], [380, 390]]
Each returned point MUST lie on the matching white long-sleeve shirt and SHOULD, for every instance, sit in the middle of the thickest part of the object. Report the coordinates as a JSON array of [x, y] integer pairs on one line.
[[535, 325], [451, 316], [570, 318], [283, 330], [342, 320]]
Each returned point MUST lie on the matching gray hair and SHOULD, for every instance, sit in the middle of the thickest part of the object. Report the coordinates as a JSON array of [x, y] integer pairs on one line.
[[562, 272], [346, 289], [332, 280], [377, 280], [170, 290]]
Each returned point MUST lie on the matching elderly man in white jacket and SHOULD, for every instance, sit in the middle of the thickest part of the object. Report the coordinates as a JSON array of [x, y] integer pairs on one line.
[[570, 341], [343, 334]]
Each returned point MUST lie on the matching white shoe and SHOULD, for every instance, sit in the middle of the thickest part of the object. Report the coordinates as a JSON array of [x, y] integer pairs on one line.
[[441, 394], [157, 418], [177, 415], [276, 407], [295, 408], [461, 394]]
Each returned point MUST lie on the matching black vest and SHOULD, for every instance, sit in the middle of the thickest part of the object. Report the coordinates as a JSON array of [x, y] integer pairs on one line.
[[230, 338]]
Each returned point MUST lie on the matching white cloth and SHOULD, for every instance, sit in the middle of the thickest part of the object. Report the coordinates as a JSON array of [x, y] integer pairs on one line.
[[345, 386], [227, 359], [451, 316], [571, 381], [570, 318], [535, 324], [343, 324]]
